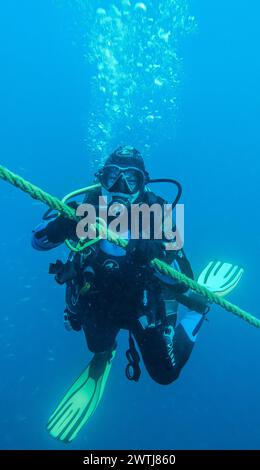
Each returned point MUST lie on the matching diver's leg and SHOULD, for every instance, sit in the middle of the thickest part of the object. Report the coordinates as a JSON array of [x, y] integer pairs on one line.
[[165, 350], [100, 333]]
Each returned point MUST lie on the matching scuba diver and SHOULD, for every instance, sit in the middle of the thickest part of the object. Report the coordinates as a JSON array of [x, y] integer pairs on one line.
[[109, 288]]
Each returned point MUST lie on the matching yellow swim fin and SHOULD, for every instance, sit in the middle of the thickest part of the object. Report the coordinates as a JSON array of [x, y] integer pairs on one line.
[[81, 400], [220, 278]]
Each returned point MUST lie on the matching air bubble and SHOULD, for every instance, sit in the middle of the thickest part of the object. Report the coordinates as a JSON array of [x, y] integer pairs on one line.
[[139, 6]]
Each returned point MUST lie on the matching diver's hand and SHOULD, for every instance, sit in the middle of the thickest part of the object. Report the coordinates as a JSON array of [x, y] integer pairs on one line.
[[194, 302], [60, 229], [142, 252], [202, 303]]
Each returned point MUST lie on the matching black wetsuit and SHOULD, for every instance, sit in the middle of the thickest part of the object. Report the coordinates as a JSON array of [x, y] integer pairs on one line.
[[123, 296]]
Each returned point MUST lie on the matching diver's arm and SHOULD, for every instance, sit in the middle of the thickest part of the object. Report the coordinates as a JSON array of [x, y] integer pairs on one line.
[[193, 301], [182, 293], [176, 258], [178, 261]]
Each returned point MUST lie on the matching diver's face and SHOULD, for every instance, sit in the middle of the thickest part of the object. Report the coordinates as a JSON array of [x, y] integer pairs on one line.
[[122, 180], [122, 185]]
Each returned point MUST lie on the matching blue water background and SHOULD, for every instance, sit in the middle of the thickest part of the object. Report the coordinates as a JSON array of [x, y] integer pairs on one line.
[[214, 152]]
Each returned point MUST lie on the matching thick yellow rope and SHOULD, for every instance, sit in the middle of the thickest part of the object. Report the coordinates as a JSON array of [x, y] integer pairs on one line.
[[163, 268], [36, 193]]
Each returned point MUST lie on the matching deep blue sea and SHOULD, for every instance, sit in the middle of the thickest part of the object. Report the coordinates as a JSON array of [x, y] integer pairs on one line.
[[179, 80]]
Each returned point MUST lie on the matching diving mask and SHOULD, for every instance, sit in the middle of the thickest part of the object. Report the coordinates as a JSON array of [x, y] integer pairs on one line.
[[129, 180]]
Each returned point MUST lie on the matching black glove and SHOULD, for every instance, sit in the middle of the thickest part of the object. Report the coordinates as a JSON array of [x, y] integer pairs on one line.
[[142, 252], [60, 229]]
